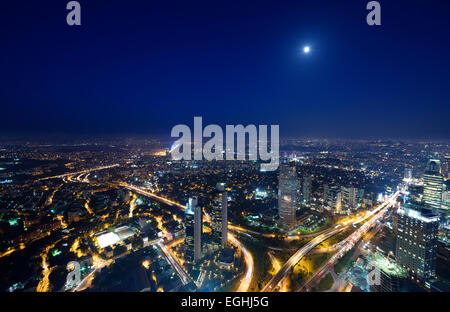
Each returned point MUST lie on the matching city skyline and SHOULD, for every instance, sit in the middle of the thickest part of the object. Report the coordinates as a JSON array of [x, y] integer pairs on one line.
[[214, 226], [224, 152]]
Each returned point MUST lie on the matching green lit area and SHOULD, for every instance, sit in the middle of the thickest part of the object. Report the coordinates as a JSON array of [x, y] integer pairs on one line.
[[55, 252], [389, 266], [13, 222]]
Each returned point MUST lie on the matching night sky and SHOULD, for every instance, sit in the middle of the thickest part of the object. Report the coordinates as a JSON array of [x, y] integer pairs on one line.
[[141, 67]]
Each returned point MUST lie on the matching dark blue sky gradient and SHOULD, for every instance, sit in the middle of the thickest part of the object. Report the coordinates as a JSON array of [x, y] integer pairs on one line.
[[141, 67]]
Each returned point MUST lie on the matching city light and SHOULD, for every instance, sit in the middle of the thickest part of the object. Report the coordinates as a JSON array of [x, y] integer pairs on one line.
[[250, 148]]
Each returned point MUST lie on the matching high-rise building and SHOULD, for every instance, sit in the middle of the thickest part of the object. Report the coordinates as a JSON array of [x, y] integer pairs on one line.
[[408, 173], [325, 193], [168, 155], [350, 197], [432, 185], [415, 194], [417, 240], [334, 199], [306, 190], [445, 205], [193, 230], [198, 233], [445, 171], [288, 188], [219, 216], [189, 230]]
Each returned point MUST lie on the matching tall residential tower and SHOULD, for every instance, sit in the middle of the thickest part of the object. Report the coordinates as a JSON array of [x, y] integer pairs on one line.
[[193, 230], [433, 184], [219, 216], [417, 240], [288, 188], [306, 190]]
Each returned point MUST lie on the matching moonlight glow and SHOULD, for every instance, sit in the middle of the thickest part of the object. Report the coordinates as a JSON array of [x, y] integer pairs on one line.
[[306, 49]]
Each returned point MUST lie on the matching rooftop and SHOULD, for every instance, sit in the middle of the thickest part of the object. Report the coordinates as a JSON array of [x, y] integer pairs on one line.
[[389, 266]]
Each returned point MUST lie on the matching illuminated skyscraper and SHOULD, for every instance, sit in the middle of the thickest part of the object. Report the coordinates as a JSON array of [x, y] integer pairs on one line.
[[334, 199], [445, 171], [219, 216], [306, 190], [408, 174], [350, 197], [446, 196], [417, 241], [193, 230], [325, 193], [288, 188], [432, 185]]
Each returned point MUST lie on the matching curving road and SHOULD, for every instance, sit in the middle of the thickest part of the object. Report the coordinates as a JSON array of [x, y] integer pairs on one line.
[[185, 278], [246, 280], [78, 172], [283, 272], [348, 243]]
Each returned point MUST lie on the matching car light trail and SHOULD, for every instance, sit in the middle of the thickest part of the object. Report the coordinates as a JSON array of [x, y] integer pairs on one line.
[[78, 172], [282, 273], [132, 205], [246, 280], [87, 207], [348, 243], [175, 265], [164, 200], [277, 266]]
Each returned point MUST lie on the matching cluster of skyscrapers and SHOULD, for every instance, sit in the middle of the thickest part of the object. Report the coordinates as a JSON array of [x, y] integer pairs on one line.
[[418, 221], [341, 198], [292, 194], [194, 225]]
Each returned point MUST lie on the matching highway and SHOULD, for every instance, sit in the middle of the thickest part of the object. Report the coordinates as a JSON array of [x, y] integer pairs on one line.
[[283, 272], [185, 278], [78, 172], [164, 200], [346, 245], [271, 235], [244, 230], [277, 266], [246, 280], [152, 195], [99, 264], [84, 283]]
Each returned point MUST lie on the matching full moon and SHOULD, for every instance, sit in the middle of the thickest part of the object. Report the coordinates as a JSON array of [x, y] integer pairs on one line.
[[306, 49]]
